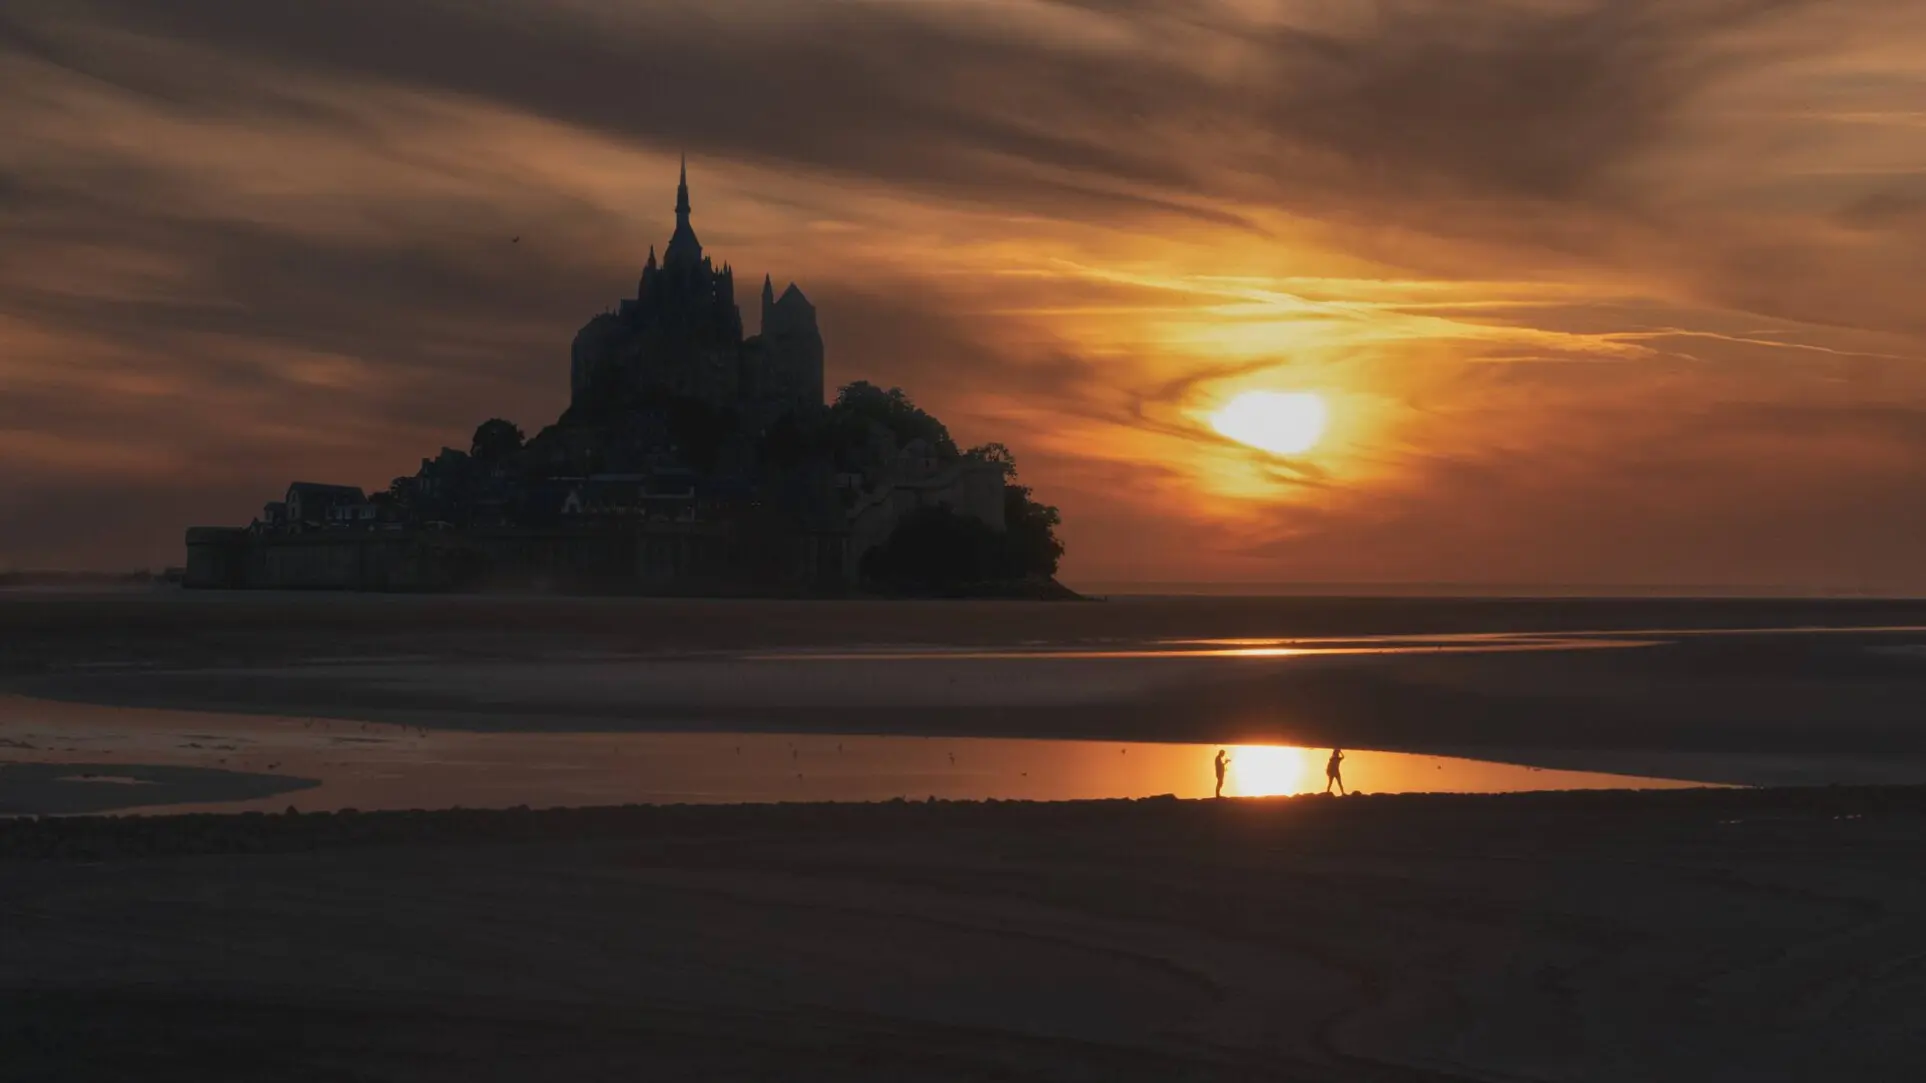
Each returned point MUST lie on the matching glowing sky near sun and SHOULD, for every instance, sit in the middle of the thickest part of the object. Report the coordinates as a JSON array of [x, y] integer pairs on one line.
[[1280, 422], [1589, 292]]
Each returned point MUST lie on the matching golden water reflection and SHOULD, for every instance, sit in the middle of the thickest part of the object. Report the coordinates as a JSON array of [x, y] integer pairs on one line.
[[1274, 770], [368, 765], [1269, 770], [1456, 643]]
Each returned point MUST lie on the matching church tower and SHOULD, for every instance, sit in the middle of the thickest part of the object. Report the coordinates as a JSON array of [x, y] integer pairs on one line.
[[684, 250], [682, 334], [792, 348]]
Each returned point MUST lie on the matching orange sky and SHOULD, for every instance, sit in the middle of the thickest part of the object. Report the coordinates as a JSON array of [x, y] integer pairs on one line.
[[1600, 292]]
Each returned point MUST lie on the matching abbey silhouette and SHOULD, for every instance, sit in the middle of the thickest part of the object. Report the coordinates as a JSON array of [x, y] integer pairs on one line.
[[691, 459], [681, 335]]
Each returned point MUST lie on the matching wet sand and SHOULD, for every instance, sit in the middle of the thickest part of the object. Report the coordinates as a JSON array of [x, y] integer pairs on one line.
[[209, 627], [1732, 692], [61, 788], [1685, 936]]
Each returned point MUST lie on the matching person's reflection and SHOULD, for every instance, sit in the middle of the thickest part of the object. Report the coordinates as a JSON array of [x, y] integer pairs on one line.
[[1223, 760]]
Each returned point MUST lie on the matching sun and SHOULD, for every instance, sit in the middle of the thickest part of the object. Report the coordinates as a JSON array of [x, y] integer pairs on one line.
[[1280, 422]]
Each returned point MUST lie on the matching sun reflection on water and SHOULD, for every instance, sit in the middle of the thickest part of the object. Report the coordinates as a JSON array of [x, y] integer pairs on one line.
[[1267, 771], [393, 766]]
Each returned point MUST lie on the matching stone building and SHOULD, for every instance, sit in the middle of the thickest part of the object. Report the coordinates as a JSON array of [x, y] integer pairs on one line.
[[681, 335], [311, 505]]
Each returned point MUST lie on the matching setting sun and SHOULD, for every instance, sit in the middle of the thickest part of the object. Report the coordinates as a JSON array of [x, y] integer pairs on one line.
[[1280, 422]]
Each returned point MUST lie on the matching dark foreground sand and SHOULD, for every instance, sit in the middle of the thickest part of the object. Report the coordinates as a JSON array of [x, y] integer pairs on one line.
[[1691, 936]]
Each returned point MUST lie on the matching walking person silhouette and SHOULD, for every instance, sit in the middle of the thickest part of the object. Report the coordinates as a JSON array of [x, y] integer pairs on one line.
[[1334, 771], [1223, 760]]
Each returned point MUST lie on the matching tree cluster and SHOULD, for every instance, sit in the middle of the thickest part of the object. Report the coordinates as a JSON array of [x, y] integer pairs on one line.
[[933, 550], [936, 550]]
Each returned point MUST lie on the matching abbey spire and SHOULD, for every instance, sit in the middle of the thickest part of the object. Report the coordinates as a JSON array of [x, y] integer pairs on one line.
[[681, 334], [684, 250]]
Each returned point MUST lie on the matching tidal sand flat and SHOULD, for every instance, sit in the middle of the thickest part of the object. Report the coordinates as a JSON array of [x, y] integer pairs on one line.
[[1750, 693], [55, 788], [1673, 937]]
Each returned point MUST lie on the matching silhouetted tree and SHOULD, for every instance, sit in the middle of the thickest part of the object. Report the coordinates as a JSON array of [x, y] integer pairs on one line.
[[401, 495], [496, 439], [862, 402], [996, 455], [934, 549], [1032, 547], [1031, 532], [937, 550]]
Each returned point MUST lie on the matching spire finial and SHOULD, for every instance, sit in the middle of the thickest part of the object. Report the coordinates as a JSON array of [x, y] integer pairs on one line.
[[684, 250]]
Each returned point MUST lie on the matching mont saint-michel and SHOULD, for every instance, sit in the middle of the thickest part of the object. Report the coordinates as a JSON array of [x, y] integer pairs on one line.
[[692, 459]]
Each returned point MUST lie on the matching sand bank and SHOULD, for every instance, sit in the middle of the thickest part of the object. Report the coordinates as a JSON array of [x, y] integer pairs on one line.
[[1746, 692], [1745, 935], [1778, 710]]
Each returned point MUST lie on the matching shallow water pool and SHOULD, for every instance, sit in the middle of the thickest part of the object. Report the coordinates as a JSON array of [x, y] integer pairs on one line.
[[326, 764]]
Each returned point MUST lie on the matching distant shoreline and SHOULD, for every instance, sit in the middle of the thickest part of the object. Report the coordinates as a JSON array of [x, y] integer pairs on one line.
[[1146, 590], [1449, 591], [45, 580]]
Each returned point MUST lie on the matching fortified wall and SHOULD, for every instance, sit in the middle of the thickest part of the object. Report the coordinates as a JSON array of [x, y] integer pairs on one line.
[[656, 558]]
